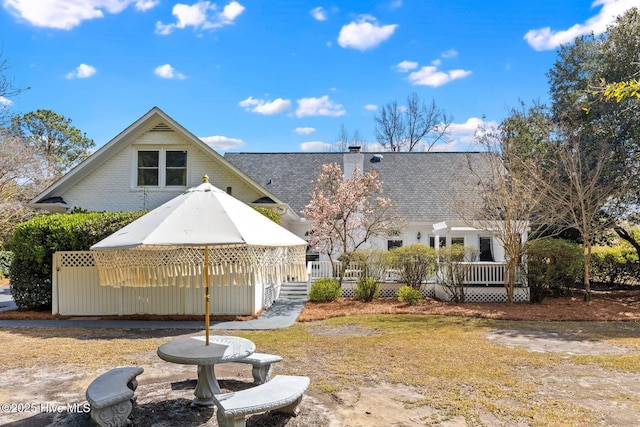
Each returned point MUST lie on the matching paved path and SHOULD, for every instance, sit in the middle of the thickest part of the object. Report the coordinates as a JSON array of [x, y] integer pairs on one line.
[[282, 314], [6, 302]]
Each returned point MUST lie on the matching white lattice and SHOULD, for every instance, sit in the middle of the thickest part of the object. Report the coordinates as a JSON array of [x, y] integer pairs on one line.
[[387, 290], [483, 293], [76, 259]]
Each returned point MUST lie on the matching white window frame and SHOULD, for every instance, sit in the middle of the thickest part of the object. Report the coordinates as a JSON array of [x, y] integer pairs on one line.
[[162, 168]]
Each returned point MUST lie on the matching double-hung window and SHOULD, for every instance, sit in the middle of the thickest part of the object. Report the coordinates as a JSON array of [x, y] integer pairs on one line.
[[161, 168]]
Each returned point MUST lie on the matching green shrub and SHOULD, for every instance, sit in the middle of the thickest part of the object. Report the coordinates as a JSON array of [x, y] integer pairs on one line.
[[372, 262], [325, 290], [35, 241], [269, 214], [5, 263], [409, 295], [415, 262], [553, 267], [454, 268], [614, 266], [367, 289]]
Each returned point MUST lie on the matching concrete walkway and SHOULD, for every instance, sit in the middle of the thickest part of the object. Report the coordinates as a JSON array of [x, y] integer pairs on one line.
[[282, 314]]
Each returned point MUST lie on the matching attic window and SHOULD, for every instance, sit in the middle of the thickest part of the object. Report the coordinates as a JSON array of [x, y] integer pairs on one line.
[[161, 127], [161, 168]]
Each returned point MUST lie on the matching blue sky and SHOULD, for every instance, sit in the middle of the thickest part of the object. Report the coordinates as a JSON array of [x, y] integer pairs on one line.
[[264, 76]]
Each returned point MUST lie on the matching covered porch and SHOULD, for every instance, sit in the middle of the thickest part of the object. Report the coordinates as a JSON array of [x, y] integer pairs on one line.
[[483, 281]]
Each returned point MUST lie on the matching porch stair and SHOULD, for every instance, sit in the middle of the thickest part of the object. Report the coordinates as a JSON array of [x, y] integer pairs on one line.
[[294, 290]]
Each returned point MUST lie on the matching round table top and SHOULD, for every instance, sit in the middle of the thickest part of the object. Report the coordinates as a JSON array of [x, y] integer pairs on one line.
[[193, 351]]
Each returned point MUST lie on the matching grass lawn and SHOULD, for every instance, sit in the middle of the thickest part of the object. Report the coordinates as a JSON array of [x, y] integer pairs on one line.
[[457, 372]]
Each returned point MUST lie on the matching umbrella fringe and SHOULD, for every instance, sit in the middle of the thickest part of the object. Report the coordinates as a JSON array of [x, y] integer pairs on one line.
[[228, 266]]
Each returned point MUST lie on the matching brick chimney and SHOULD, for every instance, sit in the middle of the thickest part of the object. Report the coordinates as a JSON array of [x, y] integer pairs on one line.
[[352, 160]]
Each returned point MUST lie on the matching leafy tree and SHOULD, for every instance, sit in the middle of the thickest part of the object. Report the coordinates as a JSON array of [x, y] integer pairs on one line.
[[575, 85], [345, 214], [621, 91], [404, 128], [59, 144]]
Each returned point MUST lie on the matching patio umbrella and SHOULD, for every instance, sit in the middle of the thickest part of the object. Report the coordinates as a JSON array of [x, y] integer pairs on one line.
[[204, 232]]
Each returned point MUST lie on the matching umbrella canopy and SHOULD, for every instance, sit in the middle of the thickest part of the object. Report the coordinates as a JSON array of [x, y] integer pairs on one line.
[[167, 245], [203, 233]]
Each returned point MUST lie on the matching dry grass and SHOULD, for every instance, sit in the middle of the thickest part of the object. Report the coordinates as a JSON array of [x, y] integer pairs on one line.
[[447, 357]]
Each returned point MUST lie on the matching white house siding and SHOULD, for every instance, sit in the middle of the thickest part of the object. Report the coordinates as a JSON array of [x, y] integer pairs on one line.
[[111, 186]]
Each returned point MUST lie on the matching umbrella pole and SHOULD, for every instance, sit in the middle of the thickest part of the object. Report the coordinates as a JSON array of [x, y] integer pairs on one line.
[[206, 293]]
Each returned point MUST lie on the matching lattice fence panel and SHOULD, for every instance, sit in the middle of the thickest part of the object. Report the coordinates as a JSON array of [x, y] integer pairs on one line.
[[388, 291], [77, 259]]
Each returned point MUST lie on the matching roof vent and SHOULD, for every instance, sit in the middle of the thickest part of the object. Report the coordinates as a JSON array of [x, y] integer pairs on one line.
[[376, 158], [161, 127]]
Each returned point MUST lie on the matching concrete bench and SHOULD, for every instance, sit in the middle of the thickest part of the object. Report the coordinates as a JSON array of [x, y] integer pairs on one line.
[[261, 363], [111, 396], [283, 392]]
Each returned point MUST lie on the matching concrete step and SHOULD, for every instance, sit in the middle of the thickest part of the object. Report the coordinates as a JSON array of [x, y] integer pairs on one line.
[[293, 290]]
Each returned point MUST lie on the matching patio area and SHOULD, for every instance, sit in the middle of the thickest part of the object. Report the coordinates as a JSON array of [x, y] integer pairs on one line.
[[546, 379]]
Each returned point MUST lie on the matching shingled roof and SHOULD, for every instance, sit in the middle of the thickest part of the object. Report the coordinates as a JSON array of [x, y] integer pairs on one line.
[[421, 184]]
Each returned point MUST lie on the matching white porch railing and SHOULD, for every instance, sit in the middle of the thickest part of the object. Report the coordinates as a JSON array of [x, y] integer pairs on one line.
[[483, 282], [477, 273]]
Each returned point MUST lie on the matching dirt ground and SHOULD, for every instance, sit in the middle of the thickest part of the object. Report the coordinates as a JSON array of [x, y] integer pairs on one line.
[[165, 390]]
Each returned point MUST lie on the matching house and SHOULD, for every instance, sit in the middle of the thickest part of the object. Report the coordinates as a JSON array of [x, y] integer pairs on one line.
[[155, 159], [150, 162], [422, 185]]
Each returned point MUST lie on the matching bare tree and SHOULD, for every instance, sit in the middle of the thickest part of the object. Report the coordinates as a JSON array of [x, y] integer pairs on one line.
[[344, 140], [8, 89], [21, 178], [499, 198], [409, 127], [578, 188]]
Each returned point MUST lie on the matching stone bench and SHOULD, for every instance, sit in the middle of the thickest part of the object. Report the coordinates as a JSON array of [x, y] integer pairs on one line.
[[261, 363], [111, 396], [283, 392]]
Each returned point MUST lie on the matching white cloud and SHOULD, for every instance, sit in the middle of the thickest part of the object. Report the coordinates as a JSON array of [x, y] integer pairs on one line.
[[463, 136], [5, 102], [144, 5], [548, 39], [82, 71], [371, 107], [395, 4], [67, 14], [451, 53], [431, 76], [315, 146], [267, 108], [222, 143], [319, 14], [405, 66], [365, 33], [322, 106], [232, 11], [166, 71], [201, 15], [304, 131]]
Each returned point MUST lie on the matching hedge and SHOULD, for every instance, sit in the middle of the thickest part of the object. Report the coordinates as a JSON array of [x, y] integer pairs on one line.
[[553, 267], [35, 241], [5, 263]]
